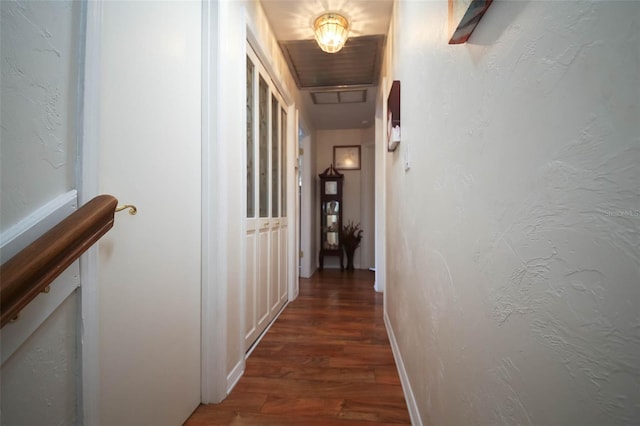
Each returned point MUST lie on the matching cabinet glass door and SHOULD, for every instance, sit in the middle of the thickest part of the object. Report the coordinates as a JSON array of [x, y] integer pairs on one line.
[[331, 225], [251, 210]]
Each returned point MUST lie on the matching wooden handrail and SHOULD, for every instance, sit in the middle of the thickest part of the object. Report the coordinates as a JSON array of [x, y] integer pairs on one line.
[[29, 272]]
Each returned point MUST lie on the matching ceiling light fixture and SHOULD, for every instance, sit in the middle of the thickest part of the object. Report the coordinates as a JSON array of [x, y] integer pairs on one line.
[[331, 30]]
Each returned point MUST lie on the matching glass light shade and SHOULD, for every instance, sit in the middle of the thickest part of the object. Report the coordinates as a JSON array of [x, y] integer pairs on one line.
[[331, 32]]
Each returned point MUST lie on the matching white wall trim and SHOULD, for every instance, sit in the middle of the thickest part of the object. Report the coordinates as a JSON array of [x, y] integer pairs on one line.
[[88, 159], [307, 229], [381, 190], [17, 238], [293, 203], [264, 333], [404, 378], [214, 295], [37, 223], [235, 375], [37, 311], [366, 257]]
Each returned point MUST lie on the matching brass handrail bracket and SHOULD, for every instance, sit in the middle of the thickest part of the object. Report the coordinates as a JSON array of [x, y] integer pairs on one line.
[[133, 210]]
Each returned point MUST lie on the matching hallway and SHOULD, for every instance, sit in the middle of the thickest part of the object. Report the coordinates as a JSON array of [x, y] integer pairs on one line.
[[326, 360]]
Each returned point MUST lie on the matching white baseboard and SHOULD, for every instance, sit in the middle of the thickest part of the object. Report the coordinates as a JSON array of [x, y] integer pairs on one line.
[[404, 379], [237, 371], [235, 375]]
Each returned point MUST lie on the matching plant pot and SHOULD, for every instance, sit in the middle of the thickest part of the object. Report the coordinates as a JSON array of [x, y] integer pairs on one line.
[[349, 254]]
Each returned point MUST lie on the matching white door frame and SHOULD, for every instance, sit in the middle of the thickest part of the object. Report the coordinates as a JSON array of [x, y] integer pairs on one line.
[[214, 314], [293, 202], [89, 327], [213, 296], [214, 293], [381, 188]]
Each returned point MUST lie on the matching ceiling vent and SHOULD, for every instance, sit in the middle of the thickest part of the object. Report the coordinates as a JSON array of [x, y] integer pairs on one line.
[[357, 64], [339, 97]]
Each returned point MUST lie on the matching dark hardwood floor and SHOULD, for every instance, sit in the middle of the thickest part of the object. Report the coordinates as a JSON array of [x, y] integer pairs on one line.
[[325, 361]]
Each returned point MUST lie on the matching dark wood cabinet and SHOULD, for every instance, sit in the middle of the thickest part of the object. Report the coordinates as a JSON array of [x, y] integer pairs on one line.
[[331, 214]]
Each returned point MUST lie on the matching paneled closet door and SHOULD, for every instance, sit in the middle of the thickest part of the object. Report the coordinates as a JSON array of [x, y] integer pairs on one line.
[[264, 236]]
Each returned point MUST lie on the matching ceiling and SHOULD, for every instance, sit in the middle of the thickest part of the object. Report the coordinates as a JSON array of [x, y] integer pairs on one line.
[[339, 90]]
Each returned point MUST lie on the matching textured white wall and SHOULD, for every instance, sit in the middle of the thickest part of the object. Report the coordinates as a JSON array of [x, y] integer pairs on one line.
[[513, 240], [39, 119], [40, 42], [39, 382]]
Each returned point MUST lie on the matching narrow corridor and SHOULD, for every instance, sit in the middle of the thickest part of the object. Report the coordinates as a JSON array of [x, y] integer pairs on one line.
[[325, 361]]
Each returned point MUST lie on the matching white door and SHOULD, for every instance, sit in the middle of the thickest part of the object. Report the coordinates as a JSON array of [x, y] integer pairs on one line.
[[266, 227], [149, 264]]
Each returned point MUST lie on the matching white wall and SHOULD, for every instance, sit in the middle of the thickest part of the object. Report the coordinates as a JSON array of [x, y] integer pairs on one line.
[[513, 249], [39, 113], [40, 42], [39, 382], [352, 187]]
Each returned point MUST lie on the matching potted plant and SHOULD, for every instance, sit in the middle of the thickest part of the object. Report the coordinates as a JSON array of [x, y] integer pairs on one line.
[[351, 236]]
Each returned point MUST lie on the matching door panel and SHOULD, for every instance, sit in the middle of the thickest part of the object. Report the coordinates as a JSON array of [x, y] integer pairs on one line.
[[251, 296], [274, 284], [262, 291], [283, 290]]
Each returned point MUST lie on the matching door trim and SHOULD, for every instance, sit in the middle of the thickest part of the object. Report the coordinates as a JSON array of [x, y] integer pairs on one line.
[[214, 308], [88, 159], [380, 191]]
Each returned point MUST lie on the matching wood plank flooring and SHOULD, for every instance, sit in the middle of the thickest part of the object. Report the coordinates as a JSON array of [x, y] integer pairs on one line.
[[325, 361]]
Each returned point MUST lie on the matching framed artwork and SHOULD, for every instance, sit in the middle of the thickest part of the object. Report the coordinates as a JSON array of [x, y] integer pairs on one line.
[[393, 116], [346, 157], [464, 16]]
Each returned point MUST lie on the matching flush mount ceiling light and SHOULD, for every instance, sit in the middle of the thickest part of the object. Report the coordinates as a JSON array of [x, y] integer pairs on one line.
[[331, 31]]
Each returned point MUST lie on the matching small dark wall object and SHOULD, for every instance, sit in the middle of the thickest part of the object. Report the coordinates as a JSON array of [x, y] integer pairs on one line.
[[393, 116]]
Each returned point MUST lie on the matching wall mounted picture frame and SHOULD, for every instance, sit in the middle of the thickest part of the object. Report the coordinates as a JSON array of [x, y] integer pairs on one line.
[[464, 16], [346, 157], [393, 116]]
